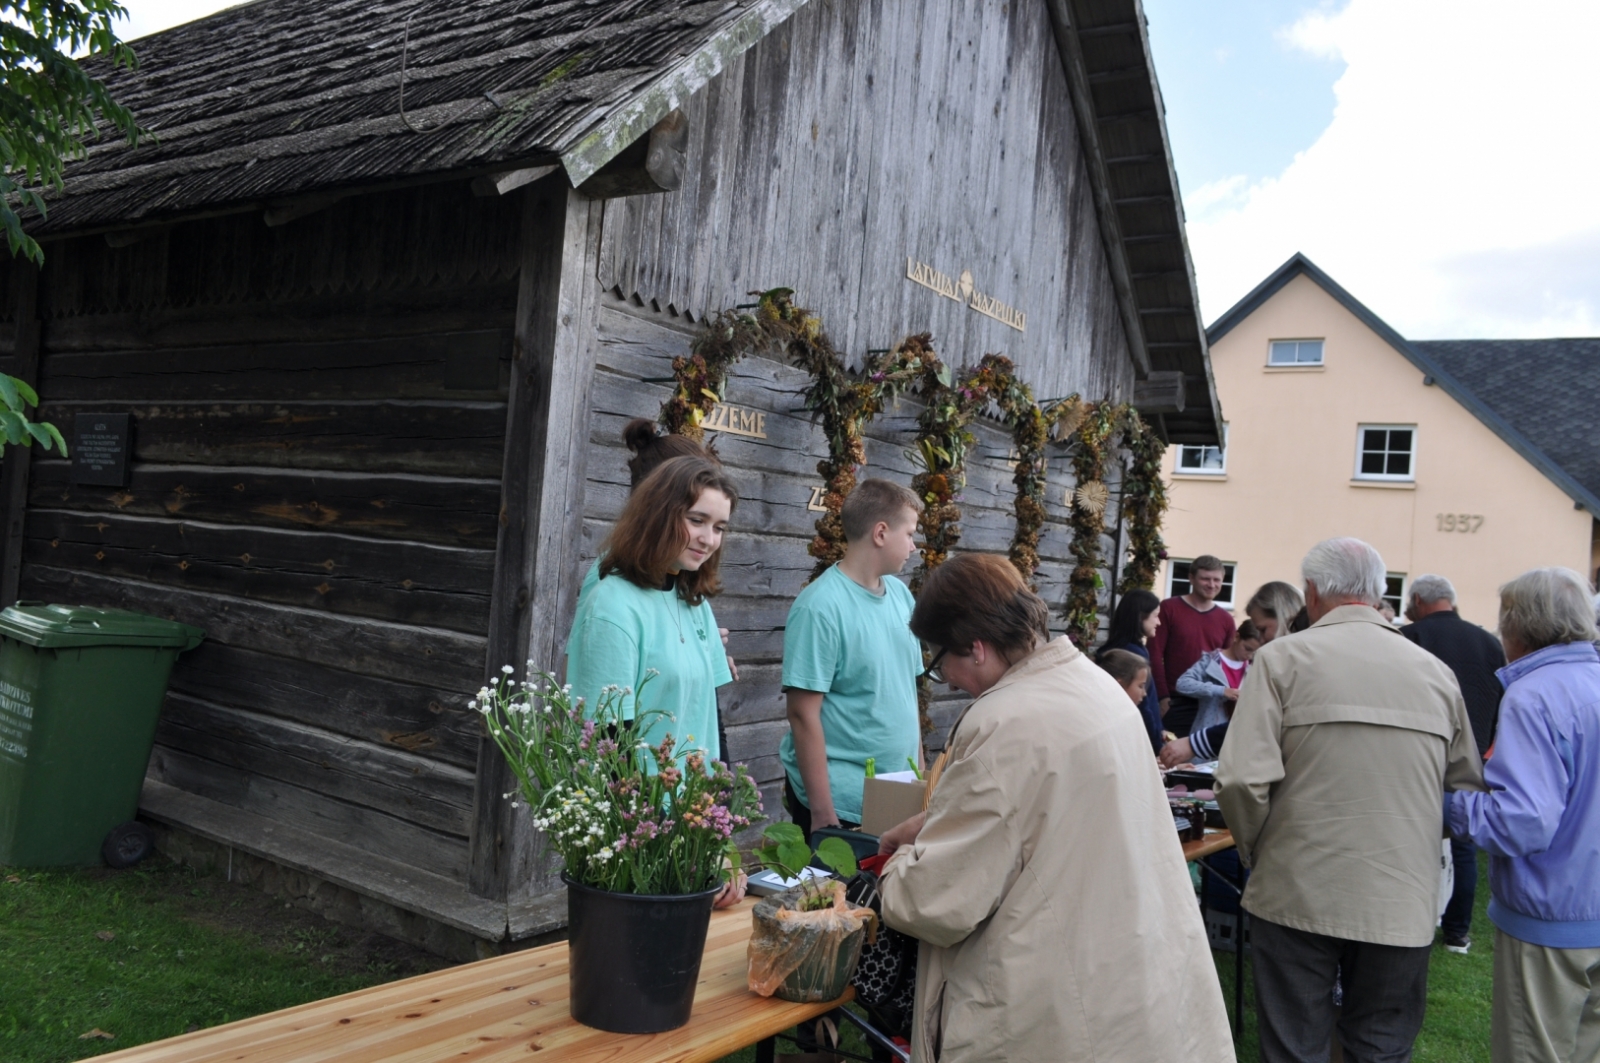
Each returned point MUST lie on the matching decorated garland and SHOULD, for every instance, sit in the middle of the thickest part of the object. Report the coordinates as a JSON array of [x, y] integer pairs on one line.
[[845, 405], [702, 375], [1030, 433], [943, 436], [1144, 502], [1092, 441]]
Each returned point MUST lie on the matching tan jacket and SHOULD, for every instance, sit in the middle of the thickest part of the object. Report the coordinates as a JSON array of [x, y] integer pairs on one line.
[[1332, 780], [1048, 886]]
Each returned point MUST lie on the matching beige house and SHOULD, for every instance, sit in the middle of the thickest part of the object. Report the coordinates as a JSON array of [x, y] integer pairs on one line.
[[1473, 459]]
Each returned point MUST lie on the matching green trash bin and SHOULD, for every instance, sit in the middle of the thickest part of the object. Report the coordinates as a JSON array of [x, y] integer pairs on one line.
[[80, 692]]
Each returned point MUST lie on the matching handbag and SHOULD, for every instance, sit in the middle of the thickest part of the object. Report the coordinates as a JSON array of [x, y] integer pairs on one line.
[[885, 980]]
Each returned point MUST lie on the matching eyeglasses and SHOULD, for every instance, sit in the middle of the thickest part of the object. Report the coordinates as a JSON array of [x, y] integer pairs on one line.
[[933, 673]]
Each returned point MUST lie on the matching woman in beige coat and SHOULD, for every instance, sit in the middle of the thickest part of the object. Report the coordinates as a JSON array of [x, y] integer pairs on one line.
[[1045, 881]]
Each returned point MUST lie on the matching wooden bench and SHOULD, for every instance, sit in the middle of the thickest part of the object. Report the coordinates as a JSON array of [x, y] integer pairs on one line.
[[510, 1007]]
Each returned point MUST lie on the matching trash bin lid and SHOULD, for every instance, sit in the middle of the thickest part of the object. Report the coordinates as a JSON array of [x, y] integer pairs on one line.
[[66, 626]]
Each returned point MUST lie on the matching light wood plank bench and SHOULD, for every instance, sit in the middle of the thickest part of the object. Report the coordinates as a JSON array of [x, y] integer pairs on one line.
[[498, 1009]]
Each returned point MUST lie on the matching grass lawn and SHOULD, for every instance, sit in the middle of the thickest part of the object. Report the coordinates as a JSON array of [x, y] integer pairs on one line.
[[160, 950]]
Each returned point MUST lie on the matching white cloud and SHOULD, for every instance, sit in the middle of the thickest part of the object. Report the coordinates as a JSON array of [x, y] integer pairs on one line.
[[1452, 192]]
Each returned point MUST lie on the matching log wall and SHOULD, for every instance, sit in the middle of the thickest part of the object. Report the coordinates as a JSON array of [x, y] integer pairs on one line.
[[319, 416], [859, 135]]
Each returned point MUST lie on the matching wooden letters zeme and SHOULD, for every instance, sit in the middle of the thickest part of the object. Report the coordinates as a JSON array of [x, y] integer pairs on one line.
[[737, 420], [964, 292]]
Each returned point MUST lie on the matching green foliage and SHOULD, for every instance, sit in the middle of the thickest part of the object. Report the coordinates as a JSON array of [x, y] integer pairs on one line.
[[49, 105], [784, 850], [15, 398]]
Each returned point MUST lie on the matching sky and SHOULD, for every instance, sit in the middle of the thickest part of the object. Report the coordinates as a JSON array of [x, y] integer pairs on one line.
[[1435, 157]]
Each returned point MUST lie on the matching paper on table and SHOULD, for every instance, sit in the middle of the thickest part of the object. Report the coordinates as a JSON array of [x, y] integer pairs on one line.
[[898, 776]]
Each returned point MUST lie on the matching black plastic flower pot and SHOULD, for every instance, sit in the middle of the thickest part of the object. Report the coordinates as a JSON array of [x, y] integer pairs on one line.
[[634, 959]]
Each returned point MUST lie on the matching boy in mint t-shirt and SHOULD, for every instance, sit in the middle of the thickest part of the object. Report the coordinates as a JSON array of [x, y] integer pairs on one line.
[[850, 663]]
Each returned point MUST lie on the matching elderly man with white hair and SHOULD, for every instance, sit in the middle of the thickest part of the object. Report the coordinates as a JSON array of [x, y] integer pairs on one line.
[[1343, 739], [1474, 656], [1540, 822]]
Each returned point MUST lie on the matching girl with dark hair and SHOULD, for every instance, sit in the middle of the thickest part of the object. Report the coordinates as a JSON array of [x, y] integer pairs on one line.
[[1047, 790], [648, 610], [1136, 619]]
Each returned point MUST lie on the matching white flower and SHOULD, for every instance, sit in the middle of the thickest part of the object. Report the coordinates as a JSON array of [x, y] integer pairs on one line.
[[507, 669]]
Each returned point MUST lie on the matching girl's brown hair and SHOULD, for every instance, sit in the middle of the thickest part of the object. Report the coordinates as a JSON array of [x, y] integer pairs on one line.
[[651, 448], [979, 596], [649, 535], [1123, 665]]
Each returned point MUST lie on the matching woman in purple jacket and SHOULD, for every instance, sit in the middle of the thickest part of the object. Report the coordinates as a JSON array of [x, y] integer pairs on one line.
[[1540, 823]]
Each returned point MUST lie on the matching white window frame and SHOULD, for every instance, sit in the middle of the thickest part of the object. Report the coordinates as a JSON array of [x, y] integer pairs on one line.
[[1361, 440], [1178, 468], [1297, 363], [1398, 599], [1229, 569]]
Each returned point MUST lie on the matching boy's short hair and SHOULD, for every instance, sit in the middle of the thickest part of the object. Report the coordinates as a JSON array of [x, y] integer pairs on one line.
[[874, 500], [1123, 665], [1209, 562]]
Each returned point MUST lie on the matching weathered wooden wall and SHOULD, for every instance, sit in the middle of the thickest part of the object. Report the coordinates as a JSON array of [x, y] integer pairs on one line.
[[860, 134], [765, 560], [319, 416]]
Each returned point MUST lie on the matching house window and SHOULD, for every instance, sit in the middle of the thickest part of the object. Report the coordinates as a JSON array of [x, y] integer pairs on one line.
[[1295, 352], [1178, 581], [1386, 452], [1394, 592], [1204, 460]]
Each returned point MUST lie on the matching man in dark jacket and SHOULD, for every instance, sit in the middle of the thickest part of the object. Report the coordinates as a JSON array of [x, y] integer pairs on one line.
[[1474, 656]]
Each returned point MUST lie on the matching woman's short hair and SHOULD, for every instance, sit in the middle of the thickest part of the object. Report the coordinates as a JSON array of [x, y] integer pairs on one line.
[[651, 447], [650, 535], [1345, 568], [1123, 666], [1545, 607], [872, 501], [979, 596], [1278, 601]]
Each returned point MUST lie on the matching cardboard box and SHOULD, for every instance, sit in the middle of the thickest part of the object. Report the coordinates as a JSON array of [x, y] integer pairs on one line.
[[890, 799]]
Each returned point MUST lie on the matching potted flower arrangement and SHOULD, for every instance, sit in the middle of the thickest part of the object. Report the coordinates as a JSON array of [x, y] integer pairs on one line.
[[645, 834], [807, 940]]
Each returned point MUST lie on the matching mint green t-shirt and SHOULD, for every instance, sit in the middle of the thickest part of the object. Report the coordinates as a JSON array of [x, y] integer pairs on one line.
[[623, 630], [855, 647]]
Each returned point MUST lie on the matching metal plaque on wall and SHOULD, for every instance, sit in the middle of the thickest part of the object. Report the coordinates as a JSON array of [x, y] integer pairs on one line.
[[100, 446]]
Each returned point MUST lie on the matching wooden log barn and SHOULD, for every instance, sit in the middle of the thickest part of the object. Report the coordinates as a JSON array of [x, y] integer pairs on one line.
[[383, 289]]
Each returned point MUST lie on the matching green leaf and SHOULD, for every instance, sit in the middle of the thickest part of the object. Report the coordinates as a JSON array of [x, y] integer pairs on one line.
[[780, 833], [29, 396], [61, 444], [9, 394], [794, 855], [13, 426], [943, 373], [837, 854]]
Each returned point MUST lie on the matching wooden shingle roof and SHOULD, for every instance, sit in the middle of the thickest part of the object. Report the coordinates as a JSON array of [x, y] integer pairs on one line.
[[281, 97]]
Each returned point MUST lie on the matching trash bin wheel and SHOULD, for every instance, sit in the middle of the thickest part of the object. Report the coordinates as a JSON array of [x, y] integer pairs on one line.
[[127, 844]]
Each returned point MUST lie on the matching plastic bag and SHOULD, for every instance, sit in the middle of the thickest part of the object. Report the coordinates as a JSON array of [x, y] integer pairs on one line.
[[807, 956]]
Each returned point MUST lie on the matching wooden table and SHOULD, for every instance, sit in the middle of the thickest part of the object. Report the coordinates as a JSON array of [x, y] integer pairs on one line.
[[498, 1009], [1214, 842]]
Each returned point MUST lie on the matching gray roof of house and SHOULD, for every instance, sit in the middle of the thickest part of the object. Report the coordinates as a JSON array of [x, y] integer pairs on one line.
[[1548, 390], [280, 97], [1544, 410]]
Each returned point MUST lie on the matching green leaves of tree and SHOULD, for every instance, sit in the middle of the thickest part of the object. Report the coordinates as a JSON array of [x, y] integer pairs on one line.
[[15, 428], [49, 105]]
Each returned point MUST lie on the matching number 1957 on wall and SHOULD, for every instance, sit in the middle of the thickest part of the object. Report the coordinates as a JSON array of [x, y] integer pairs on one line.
[[1467, 523]]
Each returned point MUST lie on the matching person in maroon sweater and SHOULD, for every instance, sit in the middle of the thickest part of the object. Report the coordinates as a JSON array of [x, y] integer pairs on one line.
[[1191, 624]]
